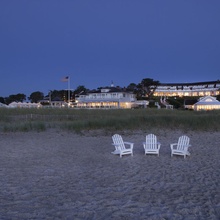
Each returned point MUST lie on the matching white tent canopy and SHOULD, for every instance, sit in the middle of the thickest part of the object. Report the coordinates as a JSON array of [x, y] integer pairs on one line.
[[3, 105], [207, 103], [24, 105]]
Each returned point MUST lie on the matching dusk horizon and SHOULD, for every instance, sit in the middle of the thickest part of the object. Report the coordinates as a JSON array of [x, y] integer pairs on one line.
[[110, 84]]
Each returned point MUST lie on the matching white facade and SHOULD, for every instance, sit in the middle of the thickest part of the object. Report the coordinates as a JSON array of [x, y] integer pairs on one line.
[[109, 97], [188, 89]]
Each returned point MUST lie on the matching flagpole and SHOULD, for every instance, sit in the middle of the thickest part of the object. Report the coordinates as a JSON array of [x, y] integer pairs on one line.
[[69, 91], [67, 79]]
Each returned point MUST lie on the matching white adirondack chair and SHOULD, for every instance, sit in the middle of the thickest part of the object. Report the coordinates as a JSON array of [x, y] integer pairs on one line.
[[151, 146], [120, 146], [181, 148]]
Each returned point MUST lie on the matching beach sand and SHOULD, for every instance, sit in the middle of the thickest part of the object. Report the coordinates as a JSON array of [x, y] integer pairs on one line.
[[63, 175]]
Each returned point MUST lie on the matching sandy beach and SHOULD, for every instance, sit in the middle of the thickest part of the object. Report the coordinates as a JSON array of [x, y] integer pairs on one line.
[[63, 175]]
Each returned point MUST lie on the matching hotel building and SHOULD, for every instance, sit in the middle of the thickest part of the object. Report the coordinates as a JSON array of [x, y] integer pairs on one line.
[[211, 88], [107, 97], [116, 97]]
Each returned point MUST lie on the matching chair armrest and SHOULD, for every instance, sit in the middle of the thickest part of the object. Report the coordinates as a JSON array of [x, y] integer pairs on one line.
[[159, 144], [115, 144], [172, 145], [129, 143], [117, 147]]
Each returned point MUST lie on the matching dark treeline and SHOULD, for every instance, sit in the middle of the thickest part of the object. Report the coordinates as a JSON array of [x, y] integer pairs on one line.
[[143, 90]]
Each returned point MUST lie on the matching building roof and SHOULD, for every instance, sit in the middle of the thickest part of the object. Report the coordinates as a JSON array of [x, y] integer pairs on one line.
[[208, 100], [190, 84], [108, 89]]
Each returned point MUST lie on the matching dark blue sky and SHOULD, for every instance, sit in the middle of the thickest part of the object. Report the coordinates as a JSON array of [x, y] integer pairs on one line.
[[99, 41]]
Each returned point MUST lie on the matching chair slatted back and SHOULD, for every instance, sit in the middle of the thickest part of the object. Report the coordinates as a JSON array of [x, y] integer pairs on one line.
[[151, 141], [183, 142], [117, 139]]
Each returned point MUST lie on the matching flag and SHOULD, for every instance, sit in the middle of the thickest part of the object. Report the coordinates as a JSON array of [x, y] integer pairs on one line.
[[65, 79]]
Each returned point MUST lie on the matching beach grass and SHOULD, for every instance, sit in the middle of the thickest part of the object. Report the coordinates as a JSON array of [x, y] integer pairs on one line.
[[77, 120]]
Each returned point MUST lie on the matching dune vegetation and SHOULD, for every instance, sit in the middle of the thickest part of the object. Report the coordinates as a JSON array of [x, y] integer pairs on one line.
[[77, 120]]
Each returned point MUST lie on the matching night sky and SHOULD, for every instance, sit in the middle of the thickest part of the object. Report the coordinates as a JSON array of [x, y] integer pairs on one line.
[[95, 42]]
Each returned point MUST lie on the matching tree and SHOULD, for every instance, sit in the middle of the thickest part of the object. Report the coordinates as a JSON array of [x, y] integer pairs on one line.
[[132, 87], [58, 94], [36, 96], [147, 87], [2, 100], [80, 89], [16, 98]]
